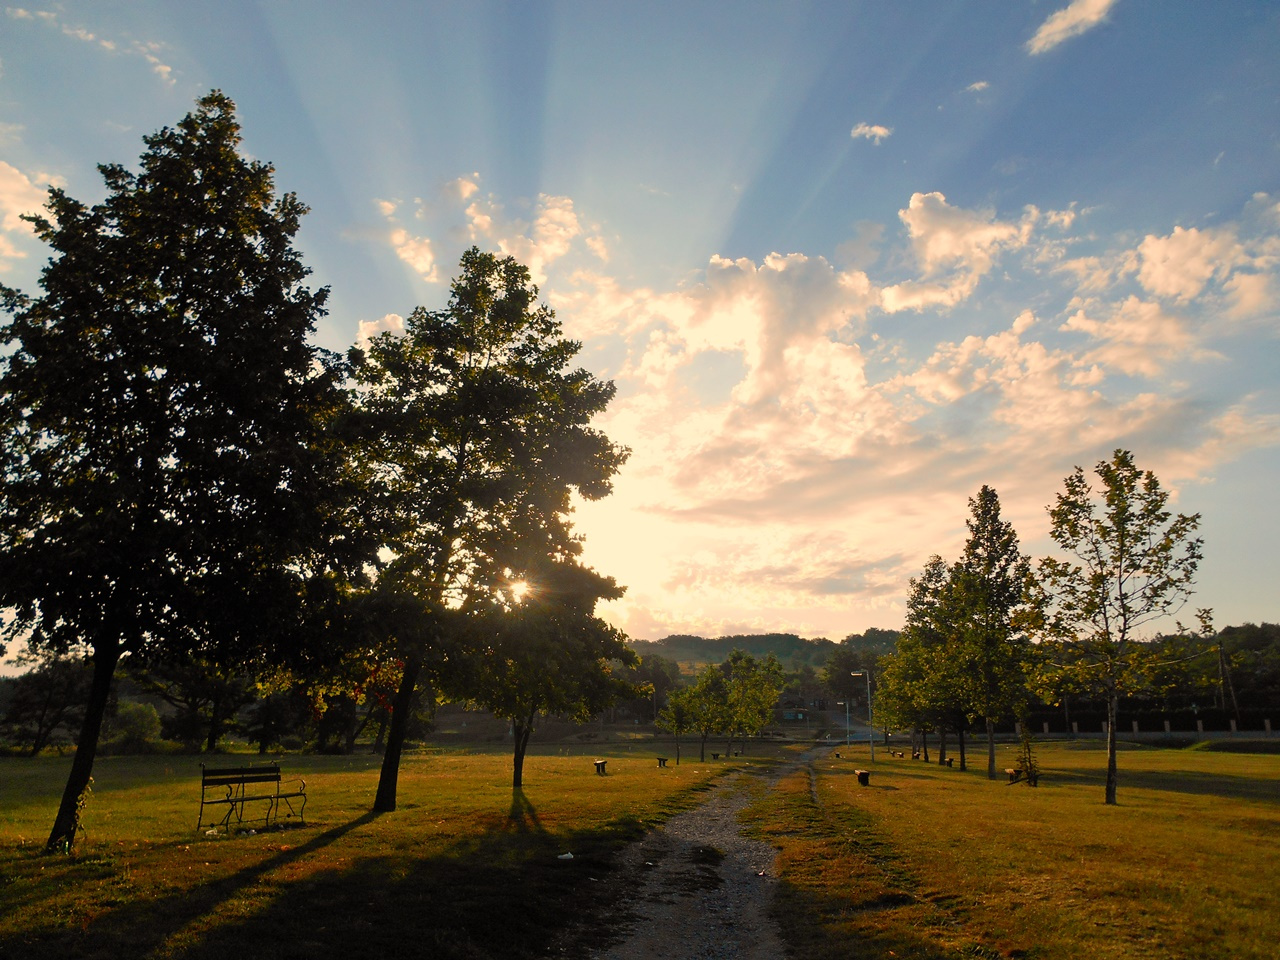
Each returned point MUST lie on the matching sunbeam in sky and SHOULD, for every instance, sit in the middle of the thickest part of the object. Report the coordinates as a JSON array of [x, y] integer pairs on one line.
[[846, 263]]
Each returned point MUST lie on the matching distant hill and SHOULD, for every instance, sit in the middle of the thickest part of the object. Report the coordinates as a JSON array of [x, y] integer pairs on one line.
[[792, 651]]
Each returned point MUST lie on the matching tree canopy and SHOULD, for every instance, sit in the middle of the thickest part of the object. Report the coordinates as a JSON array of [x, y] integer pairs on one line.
[[474, 432], [163, 417], [1129, 562]]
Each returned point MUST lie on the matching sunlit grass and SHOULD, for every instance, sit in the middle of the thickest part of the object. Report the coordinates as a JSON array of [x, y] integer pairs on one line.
[[463, 868], [932, 862]]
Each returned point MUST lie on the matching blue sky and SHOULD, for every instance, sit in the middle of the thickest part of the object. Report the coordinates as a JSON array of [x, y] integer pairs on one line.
[[846, 262]]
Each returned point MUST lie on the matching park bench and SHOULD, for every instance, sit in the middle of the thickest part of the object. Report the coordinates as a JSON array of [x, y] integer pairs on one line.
[[864, 777], [662, 761], [715, 756], [235, 787], [600, 767]]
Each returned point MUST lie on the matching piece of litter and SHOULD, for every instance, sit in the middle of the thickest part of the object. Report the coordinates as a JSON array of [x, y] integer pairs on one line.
[[211, 833], [565, 856]]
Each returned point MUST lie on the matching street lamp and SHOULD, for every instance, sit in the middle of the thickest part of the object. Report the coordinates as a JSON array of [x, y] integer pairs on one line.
[[871, 737]]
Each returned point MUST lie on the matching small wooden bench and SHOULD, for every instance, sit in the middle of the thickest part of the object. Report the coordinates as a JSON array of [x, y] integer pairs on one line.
[[864, 777], [715, 756], [600, 767], [662, 761], [235, 787]]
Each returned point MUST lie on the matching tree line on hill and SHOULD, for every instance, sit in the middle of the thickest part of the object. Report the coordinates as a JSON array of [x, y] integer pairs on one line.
[[186, 478]]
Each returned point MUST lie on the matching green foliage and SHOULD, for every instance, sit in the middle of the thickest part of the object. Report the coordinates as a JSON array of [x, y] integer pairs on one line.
[[1130, 562], [135, 727], [548, 654], [167, 483], [47, 702], [474, 432], [205, 698]]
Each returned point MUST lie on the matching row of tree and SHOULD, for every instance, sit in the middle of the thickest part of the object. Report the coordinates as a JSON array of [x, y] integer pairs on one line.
[[985, 634], [735, 699], [183, 474]]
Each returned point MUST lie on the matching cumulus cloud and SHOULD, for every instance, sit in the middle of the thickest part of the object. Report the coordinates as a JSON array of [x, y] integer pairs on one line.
[[19, 194], [954, 247], [536, 243], [1179, 265], [1071, 21], [463, 188], [1136, 337], [977, 87], [417, 252], [873, 132], [390, 323]]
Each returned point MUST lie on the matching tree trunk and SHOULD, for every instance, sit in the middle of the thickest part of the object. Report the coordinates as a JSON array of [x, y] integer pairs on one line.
[[1113, 708], [702, 750], [677, 750], [924, 744], [63, 836], [522, 730], [1066, 713], [991, 749], [402, 706], [960, 738], [942, 744]]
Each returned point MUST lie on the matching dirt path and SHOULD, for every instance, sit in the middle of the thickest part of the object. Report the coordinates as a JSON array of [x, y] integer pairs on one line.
[[697, 889]]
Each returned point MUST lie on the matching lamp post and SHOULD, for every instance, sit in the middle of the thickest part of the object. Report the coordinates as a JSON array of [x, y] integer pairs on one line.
[[871, 736]]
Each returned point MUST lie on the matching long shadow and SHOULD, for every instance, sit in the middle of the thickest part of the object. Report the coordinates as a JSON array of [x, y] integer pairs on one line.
[[144, 924], [504, 894], [523, 817], [1227, 786]]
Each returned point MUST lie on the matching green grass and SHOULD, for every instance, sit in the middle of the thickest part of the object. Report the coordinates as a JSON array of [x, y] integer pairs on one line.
[[463, 868], [930, 862]]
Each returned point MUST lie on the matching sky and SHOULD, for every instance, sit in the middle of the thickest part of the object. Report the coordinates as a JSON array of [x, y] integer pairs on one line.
[[845, 262]]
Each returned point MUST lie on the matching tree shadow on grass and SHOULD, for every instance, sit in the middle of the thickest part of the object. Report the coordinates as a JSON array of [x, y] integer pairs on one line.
[[504, 894], [141, 925], [1227, 786]]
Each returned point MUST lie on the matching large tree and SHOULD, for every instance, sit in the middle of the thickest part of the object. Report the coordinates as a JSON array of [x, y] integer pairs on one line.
[[1130, 563], [988, 587], [476, 432], [164, 484]]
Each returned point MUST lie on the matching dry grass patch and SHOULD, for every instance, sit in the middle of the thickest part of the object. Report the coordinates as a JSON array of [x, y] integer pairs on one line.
[[932, 862], [463, 868]]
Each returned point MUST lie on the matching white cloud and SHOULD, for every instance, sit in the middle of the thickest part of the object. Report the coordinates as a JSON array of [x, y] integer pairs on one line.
[[977, 87], [597, 246], [19, 194], [390, 323], [463, 188], [148, 51], [1178, 266], [416, 252], [536, 244], [1137, 337], [873, 132], [1071, 21], [955, 248]]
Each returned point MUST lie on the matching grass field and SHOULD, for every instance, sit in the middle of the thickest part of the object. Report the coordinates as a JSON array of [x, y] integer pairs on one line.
[[933, 862], [926, 862], [462, 869]]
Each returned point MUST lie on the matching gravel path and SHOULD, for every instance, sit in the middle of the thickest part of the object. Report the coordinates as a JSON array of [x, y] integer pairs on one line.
[[697, 889]]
